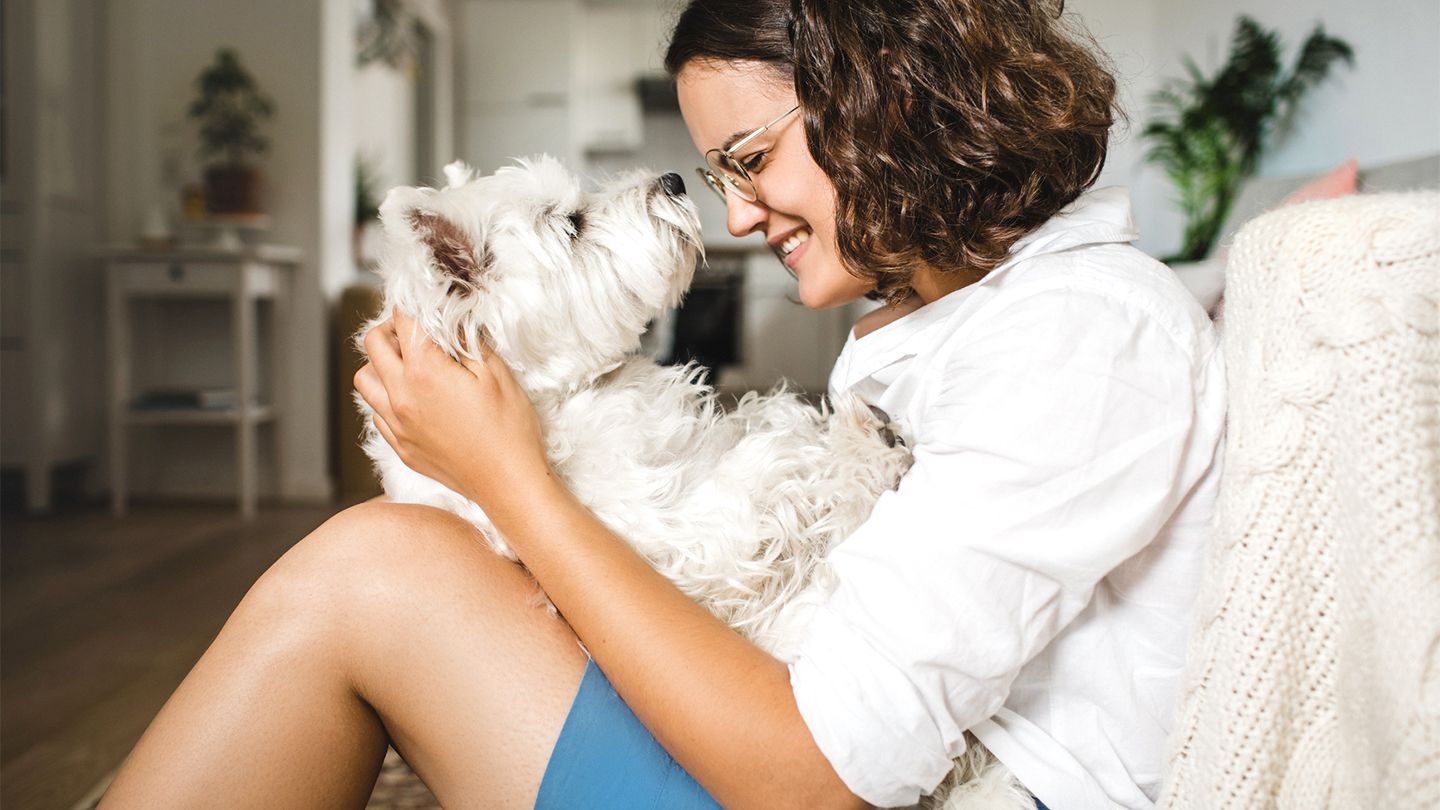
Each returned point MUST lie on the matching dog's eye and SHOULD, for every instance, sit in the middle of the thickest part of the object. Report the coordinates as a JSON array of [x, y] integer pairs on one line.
[[577, 221]]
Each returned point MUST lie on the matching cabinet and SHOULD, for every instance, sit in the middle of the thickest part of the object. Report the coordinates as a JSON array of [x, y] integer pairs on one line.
[[147, 350], [557, 76]]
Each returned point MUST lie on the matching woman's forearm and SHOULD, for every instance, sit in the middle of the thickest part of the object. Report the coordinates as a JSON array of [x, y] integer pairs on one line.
[[720, 705]]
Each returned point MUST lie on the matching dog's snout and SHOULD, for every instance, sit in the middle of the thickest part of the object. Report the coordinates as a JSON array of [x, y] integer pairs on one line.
[[673, 184]]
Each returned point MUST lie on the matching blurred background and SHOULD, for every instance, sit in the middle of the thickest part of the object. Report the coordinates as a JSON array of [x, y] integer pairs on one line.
[[187, 194]]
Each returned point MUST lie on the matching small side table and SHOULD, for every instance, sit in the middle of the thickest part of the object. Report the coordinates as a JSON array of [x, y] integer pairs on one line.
[[243, 277]]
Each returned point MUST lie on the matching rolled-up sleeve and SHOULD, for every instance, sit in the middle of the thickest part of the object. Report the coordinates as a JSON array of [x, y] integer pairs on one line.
[[1048, 450]]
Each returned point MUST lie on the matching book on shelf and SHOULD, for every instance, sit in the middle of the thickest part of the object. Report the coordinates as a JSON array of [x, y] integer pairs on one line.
[[169, 399]]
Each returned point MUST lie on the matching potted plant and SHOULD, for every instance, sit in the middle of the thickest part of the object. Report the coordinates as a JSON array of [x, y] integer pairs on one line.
[[230, 109], [367, 208], [1213, 131]]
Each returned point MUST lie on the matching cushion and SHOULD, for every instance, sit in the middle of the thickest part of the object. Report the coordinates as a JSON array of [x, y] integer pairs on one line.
[[1337, 182]]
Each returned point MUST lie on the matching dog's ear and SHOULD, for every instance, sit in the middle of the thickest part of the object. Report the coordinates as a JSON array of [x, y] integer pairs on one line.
[[454, 253]]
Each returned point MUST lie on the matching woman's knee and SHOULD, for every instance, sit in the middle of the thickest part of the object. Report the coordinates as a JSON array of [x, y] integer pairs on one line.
[[385, 526], [323, 570], [393, 558], [376, 537]]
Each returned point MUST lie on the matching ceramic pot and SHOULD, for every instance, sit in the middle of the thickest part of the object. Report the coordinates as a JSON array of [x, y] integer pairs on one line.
[[232, 190]]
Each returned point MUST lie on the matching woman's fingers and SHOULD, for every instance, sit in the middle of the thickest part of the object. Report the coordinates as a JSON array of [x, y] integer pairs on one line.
[[423, 359], [367, 382], [404, 324], [411, 341], [385, 431], [504, 378], [384, 352]]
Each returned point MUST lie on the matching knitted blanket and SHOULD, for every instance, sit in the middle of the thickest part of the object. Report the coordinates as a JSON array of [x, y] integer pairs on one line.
[[1313, 673]]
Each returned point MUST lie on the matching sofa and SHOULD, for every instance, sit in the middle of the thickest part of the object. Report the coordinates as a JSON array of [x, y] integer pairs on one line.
[[1206, 278], [1313, 670]]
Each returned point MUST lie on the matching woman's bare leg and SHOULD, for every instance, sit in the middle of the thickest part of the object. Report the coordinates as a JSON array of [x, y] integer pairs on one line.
[[389, 622]]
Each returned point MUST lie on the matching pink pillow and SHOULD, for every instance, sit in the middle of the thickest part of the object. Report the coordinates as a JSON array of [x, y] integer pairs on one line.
[[1337, 182]]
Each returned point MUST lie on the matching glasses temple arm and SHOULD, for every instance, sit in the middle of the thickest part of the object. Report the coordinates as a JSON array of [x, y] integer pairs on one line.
[[757, 133]]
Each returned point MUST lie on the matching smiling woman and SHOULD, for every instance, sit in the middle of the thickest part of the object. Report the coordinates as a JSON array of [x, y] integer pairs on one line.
[[940, 161], [1062, 395]]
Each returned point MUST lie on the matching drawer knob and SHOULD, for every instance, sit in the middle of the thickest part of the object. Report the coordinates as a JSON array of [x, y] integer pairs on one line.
[[177, 272]]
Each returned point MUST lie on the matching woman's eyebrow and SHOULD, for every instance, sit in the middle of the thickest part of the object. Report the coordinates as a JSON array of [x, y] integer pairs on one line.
[[745, 134], [734, 137]]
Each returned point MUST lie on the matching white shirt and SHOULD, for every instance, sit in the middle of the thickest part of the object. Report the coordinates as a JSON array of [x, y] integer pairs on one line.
[[1032, 577]]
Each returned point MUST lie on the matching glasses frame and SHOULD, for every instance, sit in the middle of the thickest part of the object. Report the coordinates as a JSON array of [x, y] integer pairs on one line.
[[725, 159]]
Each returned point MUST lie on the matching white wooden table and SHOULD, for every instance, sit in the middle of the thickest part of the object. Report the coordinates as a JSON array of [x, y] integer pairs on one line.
[[243, 278]]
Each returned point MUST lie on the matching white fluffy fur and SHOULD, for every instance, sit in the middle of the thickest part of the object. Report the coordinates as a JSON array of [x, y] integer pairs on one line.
[[737, 507]]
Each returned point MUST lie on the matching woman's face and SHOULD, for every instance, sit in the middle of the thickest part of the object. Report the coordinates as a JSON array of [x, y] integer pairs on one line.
[[721, 104]]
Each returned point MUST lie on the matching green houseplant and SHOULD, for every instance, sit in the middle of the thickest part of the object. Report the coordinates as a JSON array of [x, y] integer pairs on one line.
[[367, 192], [230, 109], [1212, 131], [367, 207]]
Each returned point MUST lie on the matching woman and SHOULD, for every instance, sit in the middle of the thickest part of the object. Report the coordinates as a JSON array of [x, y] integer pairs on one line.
[[1030, 581]]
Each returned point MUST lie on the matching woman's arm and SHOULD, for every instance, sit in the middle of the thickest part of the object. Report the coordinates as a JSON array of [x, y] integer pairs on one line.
[[720, 705]]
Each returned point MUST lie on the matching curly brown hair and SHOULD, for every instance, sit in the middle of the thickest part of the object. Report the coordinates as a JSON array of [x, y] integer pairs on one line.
[[949, 128]]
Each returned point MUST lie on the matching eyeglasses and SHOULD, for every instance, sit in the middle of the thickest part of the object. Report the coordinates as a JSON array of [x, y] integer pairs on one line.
[[723, 172]]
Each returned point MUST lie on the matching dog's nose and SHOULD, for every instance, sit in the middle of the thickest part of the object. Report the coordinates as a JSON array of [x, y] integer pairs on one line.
[[673, 184]]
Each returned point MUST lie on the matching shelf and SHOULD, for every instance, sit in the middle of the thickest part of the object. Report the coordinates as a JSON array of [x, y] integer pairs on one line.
[[197, 416], [170, 349]]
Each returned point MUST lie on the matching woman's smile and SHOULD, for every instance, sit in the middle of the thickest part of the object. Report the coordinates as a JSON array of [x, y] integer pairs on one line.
[[791, 245], [792, 257]]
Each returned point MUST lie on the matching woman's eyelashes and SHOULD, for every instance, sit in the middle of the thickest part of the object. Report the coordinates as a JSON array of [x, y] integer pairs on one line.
[[752, 161]]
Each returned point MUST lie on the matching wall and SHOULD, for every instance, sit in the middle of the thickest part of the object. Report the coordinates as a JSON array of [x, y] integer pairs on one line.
[[301, 54], [1125, 31], [1386, 108], [384, 123]]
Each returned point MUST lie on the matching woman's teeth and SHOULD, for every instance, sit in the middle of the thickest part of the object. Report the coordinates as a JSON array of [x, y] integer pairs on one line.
[[796, 240]]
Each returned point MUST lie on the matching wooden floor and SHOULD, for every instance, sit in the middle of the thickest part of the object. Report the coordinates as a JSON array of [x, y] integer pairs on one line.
[[101, 618]]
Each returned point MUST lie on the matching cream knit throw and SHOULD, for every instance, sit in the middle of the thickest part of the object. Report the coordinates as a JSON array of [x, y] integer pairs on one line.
[[1313, 673]]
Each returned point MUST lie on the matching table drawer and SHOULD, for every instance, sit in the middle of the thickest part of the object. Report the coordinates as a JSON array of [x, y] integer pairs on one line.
[[191, 278]]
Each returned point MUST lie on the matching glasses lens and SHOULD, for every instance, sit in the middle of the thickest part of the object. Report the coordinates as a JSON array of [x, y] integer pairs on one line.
[[711, 182], [730, 174]]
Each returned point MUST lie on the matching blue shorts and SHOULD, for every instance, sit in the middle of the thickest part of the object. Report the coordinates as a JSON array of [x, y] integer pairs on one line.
[[606, 759]]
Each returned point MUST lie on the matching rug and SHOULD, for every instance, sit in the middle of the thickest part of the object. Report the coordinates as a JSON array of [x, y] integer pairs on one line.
[[398, 788]]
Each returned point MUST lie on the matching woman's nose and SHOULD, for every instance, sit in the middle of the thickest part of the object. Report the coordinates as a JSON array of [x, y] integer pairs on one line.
[[743, 216]]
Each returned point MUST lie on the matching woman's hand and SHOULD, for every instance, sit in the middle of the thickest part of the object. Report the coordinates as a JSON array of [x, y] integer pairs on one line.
[[467, 425]]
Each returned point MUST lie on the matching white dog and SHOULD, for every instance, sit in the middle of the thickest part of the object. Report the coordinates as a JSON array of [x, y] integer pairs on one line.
[[737, 507]]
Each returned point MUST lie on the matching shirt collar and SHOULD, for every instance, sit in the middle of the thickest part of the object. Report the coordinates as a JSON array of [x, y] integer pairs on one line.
[[1098, 216]]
